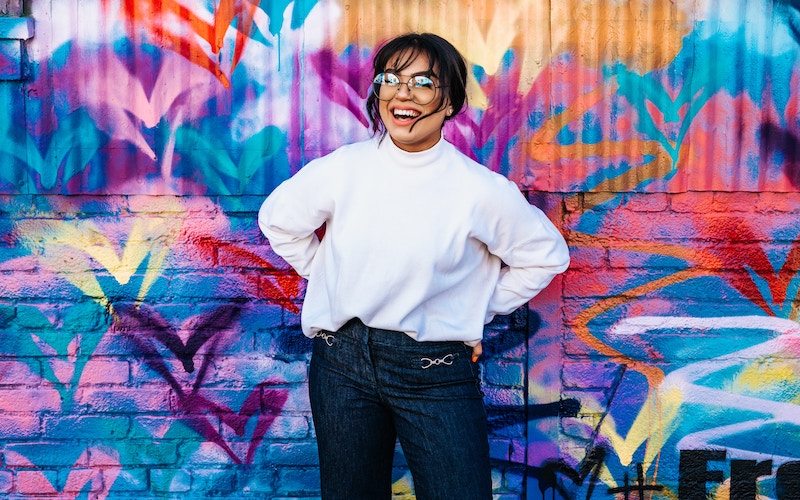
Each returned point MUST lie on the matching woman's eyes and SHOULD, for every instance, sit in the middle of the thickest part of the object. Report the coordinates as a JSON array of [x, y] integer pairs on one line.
[[423, 81], [418, 81]]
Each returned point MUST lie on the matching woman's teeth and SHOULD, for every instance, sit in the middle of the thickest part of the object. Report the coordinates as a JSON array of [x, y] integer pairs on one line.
[[405, 113]]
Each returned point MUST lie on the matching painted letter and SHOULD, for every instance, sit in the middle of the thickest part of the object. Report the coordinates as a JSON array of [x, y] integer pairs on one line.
[[694, 474]]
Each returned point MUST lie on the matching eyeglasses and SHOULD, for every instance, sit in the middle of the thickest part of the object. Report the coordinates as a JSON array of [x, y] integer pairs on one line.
[[422, 89]]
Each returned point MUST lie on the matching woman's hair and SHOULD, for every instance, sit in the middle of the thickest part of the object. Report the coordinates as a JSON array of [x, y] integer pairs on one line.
[[446, 63]]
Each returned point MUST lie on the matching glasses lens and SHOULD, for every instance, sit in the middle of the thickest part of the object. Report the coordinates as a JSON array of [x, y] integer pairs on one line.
[[423, 90], [385, 86]]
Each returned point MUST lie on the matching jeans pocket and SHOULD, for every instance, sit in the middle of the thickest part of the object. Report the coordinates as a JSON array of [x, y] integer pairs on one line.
[[328, 337], [426, 363], [424, 368], [326, 347]]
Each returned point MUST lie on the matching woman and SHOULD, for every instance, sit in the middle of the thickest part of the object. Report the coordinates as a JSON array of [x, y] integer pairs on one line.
[[402, 283]]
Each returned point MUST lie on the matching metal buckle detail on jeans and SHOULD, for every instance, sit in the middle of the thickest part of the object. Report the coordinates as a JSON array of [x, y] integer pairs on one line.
[[327, 337], [445, 360]]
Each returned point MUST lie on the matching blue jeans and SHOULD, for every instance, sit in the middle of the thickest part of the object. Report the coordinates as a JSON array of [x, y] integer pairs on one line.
[[369, 387]]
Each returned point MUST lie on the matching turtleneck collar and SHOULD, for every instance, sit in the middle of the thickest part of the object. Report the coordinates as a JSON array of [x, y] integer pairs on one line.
[[419, 159]]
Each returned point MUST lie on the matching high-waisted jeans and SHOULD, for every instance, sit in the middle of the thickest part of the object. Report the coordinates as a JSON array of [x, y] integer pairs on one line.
[[369, 387]]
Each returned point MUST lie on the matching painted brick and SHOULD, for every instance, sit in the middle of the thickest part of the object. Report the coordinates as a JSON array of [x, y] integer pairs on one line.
[[6, 481], [573, 203], [500, 449], [39, 482], [585, 283], [208, 453], [29, 400], [298, 401], [513, 481], [504, 397], [258, 482], [737, 202], [20, 426], [123, 400], [597, 201], [580, 429], [211, 482], [505, 374], [519, 452], [582, 258], [403, 486], [133, 479], [148, 450], [497, 480], [18, 269], [100, 459], [25, 286], [661, 226], [291, 319], [692, 202], [302, 454], [86, 427], [588, 375], [289, 287], [191, 256], [251, 371], [162, 205], [19, 372], [641, 259], [100, 371], [241, 204], [45, 454], [143, 375], [286, 427], [648, 202], [294, 481], [775, 202], [78, 480], [283, 342], [170, 480]]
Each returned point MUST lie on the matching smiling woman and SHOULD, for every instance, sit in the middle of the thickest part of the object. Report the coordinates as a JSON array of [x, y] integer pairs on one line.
[[417, 83], [406, 106], [405, 278]]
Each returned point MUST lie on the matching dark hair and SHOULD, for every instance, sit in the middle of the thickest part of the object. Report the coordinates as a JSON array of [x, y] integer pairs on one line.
[[448, 63]]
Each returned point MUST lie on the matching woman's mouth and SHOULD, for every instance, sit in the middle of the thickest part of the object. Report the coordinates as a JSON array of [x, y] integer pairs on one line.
[[405, 114]]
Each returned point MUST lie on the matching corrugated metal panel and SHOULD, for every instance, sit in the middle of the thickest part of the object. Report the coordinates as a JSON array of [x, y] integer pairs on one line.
[[232, 96]]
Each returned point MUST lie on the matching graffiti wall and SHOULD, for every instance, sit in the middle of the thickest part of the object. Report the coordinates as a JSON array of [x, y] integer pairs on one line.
[[149, 338]]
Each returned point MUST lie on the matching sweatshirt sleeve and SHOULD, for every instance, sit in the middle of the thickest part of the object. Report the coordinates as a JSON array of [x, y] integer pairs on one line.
[[532, 248], [293, 212]]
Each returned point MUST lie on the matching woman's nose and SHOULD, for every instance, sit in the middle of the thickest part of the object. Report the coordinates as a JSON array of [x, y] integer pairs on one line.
[[404, 89]]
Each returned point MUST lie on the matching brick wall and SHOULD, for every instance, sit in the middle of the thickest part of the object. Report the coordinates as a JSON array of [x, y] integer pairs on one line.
[[149, 337]]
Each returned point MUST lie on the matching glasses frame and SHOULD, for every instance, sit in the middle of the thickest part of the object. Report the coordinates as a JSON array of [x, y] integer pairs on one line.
[[376, 87]]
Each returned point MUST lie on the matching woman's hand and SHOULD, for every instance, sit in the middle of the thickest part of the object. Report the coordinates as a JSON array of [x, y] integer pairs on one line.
[[476, 352]]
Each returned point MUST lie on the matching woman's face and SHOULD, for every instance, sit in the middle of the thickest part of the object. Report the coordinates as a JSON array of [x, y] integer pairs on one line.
[[401, 112]]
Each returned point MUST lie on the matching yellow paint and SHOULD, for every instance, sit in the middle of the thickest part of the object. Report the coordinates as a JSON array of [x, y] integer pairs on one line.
[[653, 425], [403, 488], [74, 248], [767, 375], [643, 34]]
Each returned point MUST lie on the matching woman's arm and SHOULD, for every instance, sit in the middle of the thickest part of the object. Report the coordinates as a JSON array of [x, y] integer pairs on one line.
[[293, 212], [532, 248]]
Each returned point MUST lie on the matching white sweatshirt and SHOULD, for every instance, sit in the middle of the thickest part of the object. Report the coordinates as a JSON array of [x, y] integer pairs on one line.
[[413, 241]]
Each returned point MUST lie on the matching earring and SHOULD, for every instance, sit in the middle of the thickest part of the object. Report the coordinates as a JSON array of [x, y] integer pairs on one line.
[[449, 111]]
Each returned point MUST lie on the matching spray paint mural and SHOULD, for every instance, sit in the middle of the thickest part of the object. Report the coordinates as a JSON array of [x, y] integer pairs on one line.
[[150, 339]]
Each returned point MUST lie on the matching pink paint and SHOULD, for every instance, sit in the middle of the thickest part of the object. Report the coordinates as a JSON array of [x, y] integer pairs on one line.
[[35, 482], [28, 400]]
